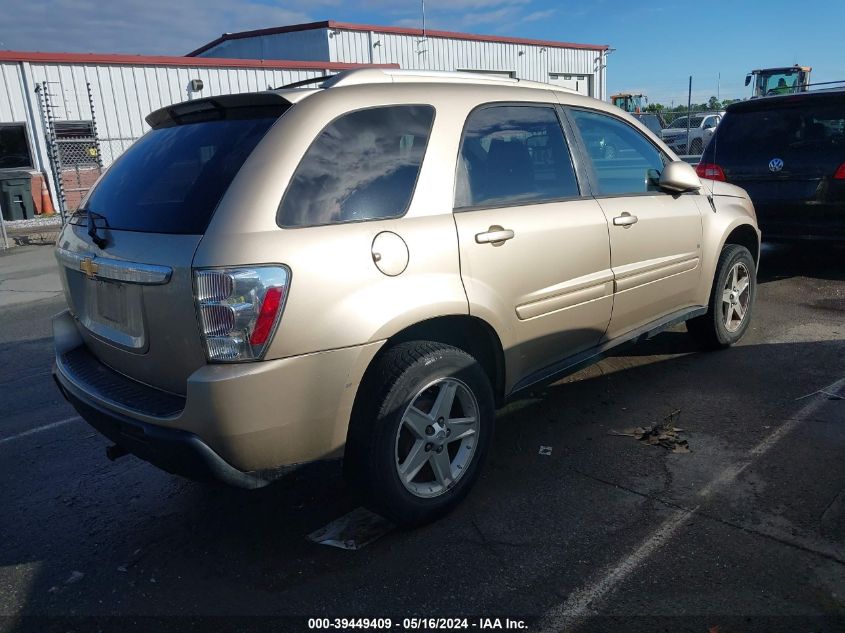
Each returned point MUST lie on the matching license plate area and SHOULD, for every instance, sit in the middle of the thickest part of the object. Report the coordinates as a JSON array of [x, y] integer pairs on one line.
[[114, 311]]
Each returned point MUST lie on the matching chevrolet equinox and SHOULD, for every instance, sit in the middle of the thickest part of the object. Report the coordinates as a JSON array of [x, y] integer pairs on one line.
[[368, 266]]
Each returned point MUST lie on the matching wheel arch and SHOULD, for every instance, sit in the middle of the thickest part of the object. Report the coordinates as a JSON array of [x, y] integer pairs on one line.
[[745, 235], [468, 333]]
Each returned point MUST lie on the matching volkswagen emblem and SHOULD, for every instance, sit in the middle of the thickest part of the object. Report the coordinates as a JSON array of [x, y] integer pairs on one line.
[[775, 165]]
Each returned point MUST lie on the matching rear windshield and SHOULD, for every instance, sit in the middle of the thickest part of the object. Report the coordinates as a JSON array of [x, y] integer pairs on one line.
[[811, 126], [172, 178]]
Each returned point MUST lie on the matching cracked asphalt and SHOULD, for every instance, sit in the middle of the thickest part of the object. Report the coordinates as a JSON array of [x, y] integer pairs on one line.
[[744, 533]]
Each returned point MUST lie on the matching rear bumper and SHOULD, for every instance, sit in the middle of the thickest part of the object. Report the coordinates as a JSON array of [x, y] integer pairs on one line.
[[178, 452], [241, 423], [798, 221]]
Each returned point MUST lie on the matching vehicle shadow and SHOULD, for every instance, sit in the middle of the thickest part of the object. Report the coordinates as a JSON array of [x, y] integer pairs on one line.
[[148, 544], [815, 260]]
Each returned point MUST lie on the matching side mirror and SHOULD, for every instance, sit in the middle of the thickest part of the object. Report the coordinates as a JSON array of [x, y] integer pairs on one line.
[[747, 79], [679, 177]]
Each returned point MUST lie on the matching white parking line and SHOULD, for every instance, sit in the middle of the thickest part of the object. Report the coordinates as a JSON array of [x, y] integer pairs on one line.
[[583, 603], [38, 429]]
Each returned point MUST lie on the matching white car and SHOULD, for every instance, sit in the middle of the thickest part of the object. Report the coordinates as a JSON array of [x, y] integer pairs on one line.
[[701, 128]]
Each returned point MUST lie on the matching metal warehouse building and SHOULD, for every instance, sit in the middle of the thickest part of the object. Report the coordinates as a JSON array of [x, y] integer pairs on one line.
[[64, 117], [580, 67]]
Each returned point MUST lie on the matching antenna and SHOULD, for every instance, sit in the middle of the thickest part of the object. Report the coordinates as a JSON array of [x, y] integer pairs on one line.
[[423, 40]]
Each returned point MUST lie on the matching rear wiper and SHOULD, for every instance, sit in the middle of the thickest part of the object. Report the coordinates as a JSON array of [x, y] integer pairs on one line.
[[92, 226]]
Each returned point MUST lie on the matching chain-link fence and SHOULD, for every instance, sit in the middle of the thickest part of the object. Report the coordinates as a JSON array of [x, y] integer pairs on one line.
[[112, 147], [79, 161], [75, 150]]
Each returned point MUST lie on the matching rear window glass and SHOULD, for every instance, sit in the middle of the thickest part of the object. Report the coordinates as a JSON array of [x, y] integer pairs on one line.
[[363, 166], [811, 126], [513, 155], [172, 178]]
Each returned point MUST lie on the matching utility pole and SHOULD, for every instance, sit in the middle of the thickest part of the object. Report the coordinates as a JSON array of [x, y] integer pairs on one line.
[[689, 108]]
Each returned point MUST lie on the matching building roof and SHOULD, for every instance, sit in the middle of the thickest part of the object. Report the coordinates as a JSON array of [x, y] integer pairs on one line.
[[348, 26], [158, 60]]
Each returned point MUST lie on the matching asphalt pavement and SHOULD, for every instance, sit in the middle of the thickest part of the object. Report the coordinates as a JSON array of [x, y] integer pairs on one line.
[[595, 532]]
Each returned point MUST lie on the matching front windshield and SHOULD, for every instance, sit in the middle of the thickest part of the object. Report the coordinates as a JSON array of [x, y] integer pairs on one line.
[[780, 82]]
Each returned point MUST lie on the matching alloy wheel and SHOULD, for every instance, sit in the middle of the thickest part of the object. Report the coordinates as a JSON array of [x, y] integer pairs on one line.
[[437, 437], [736, 296]]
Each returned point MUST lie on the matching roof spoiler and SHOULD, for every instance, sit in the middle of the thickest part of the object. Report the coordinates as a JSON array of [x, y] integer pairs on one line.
[[209, 106]]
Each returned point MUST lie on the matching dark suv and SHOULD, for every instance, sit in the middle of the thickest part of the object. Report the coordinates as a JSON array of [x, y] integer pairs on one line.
[[788, 153]]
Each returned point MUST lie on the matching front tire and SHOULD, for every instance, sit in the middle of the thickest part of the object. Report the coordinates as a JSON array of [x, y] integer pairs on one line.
[[422, 431], [731, 300], [696, 147]]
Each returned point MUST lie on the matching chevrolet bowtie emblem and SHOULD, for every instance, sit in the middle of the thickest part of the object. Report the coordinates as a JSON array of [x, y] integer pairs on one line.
[[89, 267]]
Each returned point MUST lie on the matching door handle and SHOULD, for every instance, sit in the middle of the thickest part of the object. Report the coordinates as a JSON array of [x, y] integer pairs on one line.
[[626, 220], [495, 235]]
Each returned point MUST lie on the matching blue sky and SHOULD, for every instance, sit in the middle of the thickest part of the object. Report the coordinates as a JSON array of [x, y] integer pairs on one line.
[[658, 44]]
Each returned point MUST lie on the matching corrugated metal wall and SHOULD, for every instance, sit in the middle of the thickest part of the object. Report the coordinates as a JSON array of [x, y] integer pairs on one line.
[[124, 95], [549, 64], [532, 62], [15, 108]]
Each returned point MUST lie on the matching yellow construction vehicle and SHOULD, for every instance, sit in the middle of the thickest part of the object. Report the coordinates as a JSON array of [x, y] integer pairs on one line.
[[778, 81], [629, 102]]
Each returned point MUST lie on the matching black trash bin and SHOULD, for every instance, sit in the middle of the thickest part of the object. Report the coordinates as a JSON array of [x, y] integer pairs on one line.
[[16, 195]]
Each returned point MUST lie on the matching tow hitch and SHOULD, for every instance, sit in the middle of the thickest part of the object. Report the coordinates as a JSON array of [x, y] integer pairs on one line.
[[115, 452]]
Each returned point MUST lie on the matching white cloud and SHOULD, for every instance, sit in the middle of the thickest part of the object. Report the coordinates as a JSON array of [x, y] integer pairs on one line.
[[134, 26], [168, 27], [539, 15]]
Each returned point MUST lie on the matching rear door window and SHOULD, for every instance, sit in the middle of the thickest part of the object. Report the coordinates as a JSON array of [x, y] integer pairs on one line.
[[173, 177], [513, 155], [363, 166]]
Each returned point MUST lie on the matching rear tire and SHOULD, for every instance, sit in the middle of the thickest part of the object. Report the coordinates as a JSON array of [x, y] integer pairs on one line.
[[420, 434], [731, 300]]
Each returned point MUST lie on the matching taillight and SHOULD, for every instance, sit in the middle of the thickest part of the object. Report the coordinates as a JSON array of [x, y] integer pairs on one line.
[[711, 171], [840, 173], [238, 309]]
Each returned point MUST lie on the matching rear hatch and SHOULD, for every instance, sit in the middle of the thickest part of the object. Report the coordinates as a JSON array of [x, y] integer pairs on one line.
[[784, 151], [125, 257]]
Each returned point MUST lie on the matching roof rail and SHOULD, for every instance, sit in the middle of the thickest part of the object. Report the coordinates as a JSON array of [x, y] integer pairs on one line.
[[826, 83], [390, 75]]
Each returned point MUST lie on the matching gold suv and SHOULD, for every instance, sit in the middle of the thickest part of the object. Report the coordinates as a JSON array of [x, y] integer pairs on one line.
[[368, 266]]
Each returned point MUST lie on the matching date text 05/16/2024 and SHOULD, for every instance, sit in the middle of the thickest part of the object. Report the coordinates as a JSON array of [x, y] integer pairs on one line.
[[417, 624]]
